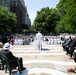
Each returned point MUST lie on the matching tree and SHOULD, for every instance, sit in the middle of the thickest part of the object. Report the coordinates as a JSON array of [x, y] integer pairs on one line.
[[31, 29], [67, 12], [8, 21], [46, 20]]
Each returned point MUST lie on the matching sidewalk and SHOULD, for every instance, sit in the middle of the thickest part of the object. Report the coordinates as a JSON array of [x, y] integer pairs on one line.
[[51, 60]]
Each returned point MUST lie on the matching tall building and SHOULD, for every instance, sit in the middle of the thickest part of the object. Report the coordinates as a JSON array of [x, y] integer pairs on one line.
[[5, 3], [28, 21], [18, 7]]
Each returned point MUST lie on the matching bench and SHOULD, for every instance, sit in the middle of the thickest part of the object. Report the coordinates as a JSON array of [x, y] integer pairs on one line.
[[8, 62]]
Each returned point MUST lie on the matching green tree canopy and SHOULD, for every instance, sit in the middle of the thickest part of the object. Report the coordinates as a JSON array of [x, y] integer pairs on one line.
[[46, 20], [8, 21], [67, 12]]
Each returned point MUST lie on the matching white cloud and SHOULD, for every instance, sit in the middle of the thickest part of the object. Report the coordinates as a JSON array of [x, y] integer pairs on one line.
[[32, 16]]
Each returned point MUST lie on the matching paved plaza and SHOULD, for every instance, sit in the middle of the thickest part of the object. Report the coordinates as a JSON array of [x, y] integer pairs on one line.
[[51, 60]]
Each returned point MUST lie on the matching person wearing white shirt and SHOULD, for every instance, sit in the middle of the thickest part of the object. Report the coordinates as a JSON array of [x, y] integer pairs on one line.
[[39, 38]]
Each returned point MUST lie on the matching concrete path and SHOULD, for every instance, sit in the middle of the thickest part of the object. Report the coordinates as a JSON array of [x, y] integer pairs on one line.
[[51, 60]]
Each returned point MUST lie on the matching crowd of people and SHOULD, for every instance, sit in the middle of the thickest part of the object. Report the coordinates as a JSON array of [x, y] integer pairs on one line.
[[53, 40], [8, 41], [68, 43], [16, 39]]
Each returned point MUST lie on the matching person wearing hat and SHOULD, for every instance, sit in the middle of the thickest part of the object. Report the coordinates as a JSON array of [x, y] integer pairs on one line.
[[6, 51]]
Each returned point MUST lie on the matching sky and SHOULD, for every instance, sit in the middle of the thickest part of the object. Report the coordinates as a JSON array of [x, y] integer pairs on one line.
[[35, 5]]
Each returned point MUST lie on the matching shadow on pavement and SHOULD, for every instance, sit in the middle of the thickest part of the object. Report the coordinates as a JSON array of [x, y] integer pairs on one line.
[[24, 72]]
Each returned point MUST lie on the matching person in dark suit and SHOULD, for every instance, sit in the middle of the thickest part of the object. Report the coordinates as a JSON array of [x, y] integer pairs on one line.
[[4, 39], [6, 51], [72, 46], [66, 45]]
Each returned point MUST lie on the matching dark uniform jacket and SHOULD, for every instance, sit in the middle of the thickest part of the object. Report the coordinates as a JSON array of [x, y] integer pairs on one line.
[[8, 54], [11, 57]]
